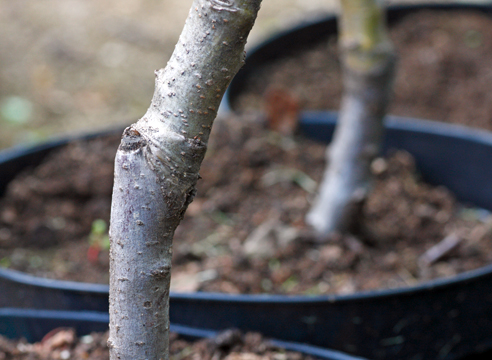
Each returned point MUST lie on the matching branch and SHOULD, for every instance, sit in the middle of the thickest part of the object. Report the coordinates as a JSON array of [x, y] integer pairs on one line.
[[368, 64], [156, 170]]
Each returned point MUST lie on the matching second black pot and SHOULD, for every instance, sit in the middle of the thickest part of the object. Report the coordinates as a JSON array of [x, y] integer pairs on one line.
[[32, 325]]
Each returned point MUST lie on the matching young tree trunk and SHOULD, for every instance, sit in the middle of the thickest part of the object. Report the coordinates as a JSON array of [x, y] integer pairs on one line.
[[156, 169], [368, 61]]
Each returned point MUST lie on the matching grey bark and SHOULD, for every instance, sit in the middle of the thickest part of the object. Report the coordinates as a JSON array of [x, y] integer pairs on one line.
[[368, 62], [156, 170]]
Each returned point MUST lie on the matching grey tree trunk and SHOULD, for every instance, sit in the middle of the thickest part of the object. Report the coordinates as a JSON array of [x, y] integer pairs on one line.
[[368, 61], [156, 170]]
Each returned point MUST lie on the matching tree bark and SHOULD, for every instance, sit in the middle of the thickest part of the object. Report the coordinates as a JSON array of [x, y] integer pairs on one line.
[[156, 170], [368, 62]]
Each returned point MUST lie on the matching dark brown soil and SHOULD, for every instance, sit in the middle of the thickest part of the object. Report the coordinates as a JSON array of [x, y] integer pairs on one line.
[[245, 231], [444, 71], [228, 345], [47, 214]]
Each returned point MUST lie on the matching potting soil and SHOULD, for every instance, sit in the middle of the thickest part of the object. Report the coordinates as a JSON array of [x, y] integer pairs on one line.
[[245, 230]]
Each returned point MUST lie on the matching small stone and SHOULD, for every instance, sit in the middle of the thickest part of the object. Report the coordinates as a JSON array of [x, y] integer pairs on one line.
[[379, 166], [330, 253]]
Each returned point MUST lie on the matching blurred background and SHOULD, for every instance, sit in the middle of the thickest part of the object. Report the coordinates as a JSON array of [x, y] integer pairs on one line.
[[70, 66]]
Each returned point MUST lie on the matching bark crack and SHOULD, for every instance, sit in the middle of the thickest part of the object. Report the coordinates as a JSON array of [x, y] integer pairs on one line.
[[161, 272], [226, 5]]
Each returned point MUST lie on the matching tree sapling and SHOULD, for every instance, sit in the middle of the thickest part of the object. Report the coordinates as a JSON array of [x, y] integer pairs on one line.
[[156, 169], [368, 61]]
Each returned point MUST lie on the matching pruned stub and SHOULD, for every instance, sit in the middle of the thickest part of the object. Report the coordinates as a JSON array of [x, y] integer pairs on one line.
[[132, 140]]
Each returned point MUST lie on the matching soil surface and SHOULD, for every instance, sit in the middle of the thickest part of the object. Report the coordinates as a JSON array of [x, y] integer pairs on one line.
[[245, 230], [63, 343], [444, 71]]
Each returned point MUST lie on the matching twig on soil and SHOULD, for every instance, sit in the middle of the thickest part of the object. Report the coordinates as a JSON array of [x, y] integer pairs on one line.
[[438, 251]]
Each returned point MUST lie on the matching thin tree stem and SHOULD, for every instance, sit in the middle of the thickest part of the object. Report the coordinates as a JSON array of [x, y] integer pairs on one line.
[[368, 61], [156, 170]]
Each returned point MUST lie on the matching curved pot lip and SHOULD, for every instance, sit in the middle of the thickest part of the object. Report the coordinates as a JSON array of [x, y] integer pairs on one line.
[[256, 50], [102, 318], [311, 117], [368, 295], [16, 151], [405, 123]]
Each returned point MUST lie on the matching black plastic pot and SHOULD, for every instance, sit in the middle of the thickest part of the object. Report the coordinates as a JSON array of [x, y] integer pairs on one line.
[[439, 319], [443, 319], [34, 324]]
